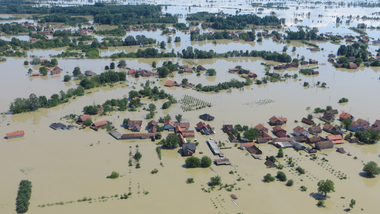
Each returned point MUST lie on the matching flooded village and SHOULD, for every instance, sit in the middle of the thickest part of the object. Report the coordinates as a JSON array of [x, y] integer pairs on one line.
[[238, 107]]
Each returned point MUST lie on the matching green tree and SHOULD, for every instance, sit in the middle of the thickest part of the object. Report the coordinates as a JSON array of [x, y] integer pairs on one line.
[[30, 71], [154, 64], [284, 49], [178, 117], [112, 65], [43, 71], [352, 203], [268, 178], [113, 175], [138, 155], [54, 62], [280, 153], [87, 122], [152, 107], [251, 134], [371, 169], [166, 105], [76, 72], [162, 45], [206, 161], [26, 63], [122, 63], [163, 72], [325, 186], [346, 122], [185, 81], [125, 122], [36, 61], [281, 176], [67, 78], [290, 183], [211, 72], [309, 116], [358, 61], [215, 181], [192, 162]]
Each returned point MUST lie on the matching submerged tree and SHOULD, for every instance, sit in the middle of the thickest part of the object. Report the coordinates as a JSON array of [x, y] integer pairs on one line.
[[325, 186]]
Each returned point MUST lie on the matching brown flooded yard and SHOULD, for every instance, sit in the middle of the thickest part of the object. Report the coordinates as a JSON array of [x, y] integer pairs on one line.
[[68, 168]]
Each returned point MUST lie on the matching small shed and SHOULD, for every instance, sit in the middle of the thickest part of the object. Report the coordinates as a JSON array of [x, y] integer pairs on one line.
[[341, 150]]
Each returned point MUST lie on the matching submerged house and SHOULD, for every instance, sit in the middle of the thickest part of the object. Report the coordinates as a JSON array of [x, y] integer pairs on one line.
[[359, 124], [279, 131], [298, 131], [15, 134], [206, 117], [315, 130], [273, 121], [134, 125], [307, 121], [95, 126], [188, 149], [205, 129], [169, 125], [83, 118], [345, 115], [324, 145]]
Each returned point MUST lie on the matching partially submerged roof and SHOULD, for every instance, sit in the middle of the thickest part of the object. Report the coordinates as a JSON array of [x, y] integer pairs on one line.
[[16, 133], [206, 117]]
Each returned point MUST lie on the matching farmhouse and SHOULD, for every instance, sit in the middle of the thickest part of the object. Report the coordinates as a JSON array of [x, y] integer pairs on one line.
[[15, 134], [277, 120]]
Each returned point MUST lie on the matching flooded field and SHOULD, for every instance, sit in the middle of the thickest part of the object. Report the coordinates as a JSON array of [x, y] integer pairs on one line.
[[68, 165]]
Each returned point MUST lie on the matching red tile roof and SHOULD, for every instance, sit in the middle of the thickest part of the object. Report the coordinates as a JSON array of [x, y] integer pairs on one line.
[[344, 115], [299, 129], [16, 133], [100, 123], [85, 117]]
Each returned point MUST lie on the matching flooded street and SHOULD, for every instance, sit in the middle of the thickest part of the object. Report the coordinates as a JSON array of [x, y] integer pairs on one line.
[[68, 165]]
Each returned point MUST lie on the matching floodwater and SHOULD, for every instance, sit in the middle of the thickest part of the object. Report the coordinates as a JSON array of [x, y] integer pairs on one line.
[[69, 165]]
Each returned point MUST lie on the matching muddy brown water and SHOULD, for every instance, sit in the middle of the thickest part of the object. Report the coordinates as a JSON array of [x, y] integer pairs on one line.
[[63, 166]]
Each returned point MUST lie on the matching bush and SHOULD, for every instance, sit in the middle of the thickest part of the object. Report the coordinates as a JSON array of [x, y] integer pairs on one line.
[[192, 162], [280, 153], [206, 161], [154, 171], [321, 203], [23, 196], [158, 150], [371, 169], [87, 122], [138, 155], [343, 100], [214, 181], [166, 105], [268, 178], [113, 175], [67, 78], [190, 180], [289, 183], [300, 170], [303, 188], [26, 63], [281, 176], [158, 136]]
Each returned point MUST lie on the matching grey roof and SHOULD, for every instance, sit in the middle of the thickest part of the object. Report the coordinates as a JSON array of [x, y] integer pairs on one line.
[[206, 117], [222, 161], [115, 134], [214, 147], [56, 126], [298, 146], [189, 146]]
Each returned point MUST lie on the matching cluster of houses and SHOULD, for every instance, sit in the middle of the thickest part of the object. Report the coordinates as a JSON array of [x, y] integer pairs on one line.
[[142, 73], [286, 66], [304, 134], [244, 71], [351, 60], [57, 126]]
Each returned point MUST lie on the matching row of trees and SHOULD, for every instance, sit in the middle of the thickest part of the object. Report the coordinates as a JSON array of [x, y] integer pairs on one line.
[[23, 196], [194, 162], [225, 85]]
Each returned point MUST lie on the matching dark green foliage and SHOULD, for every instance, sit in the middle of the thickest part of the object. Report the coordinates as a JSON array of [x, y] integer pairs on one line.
[[251, 134], [158, 150], [23, 196], [306, 71], [154, 171], [206, 161], [43, 71], [211, 72], [113, 175], [215, 181], [166, 105], [171, 142], [321, 203], [192, 162], [273, 158], [371, 169], [138, 155], [233, 22], [325, 186], [87, 122], [368, 137], [343, 100], [268, 178], [67, 78], [76, 71], [289, 183], [300, 170], [281, 176], [280, 153], [190, 180]]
